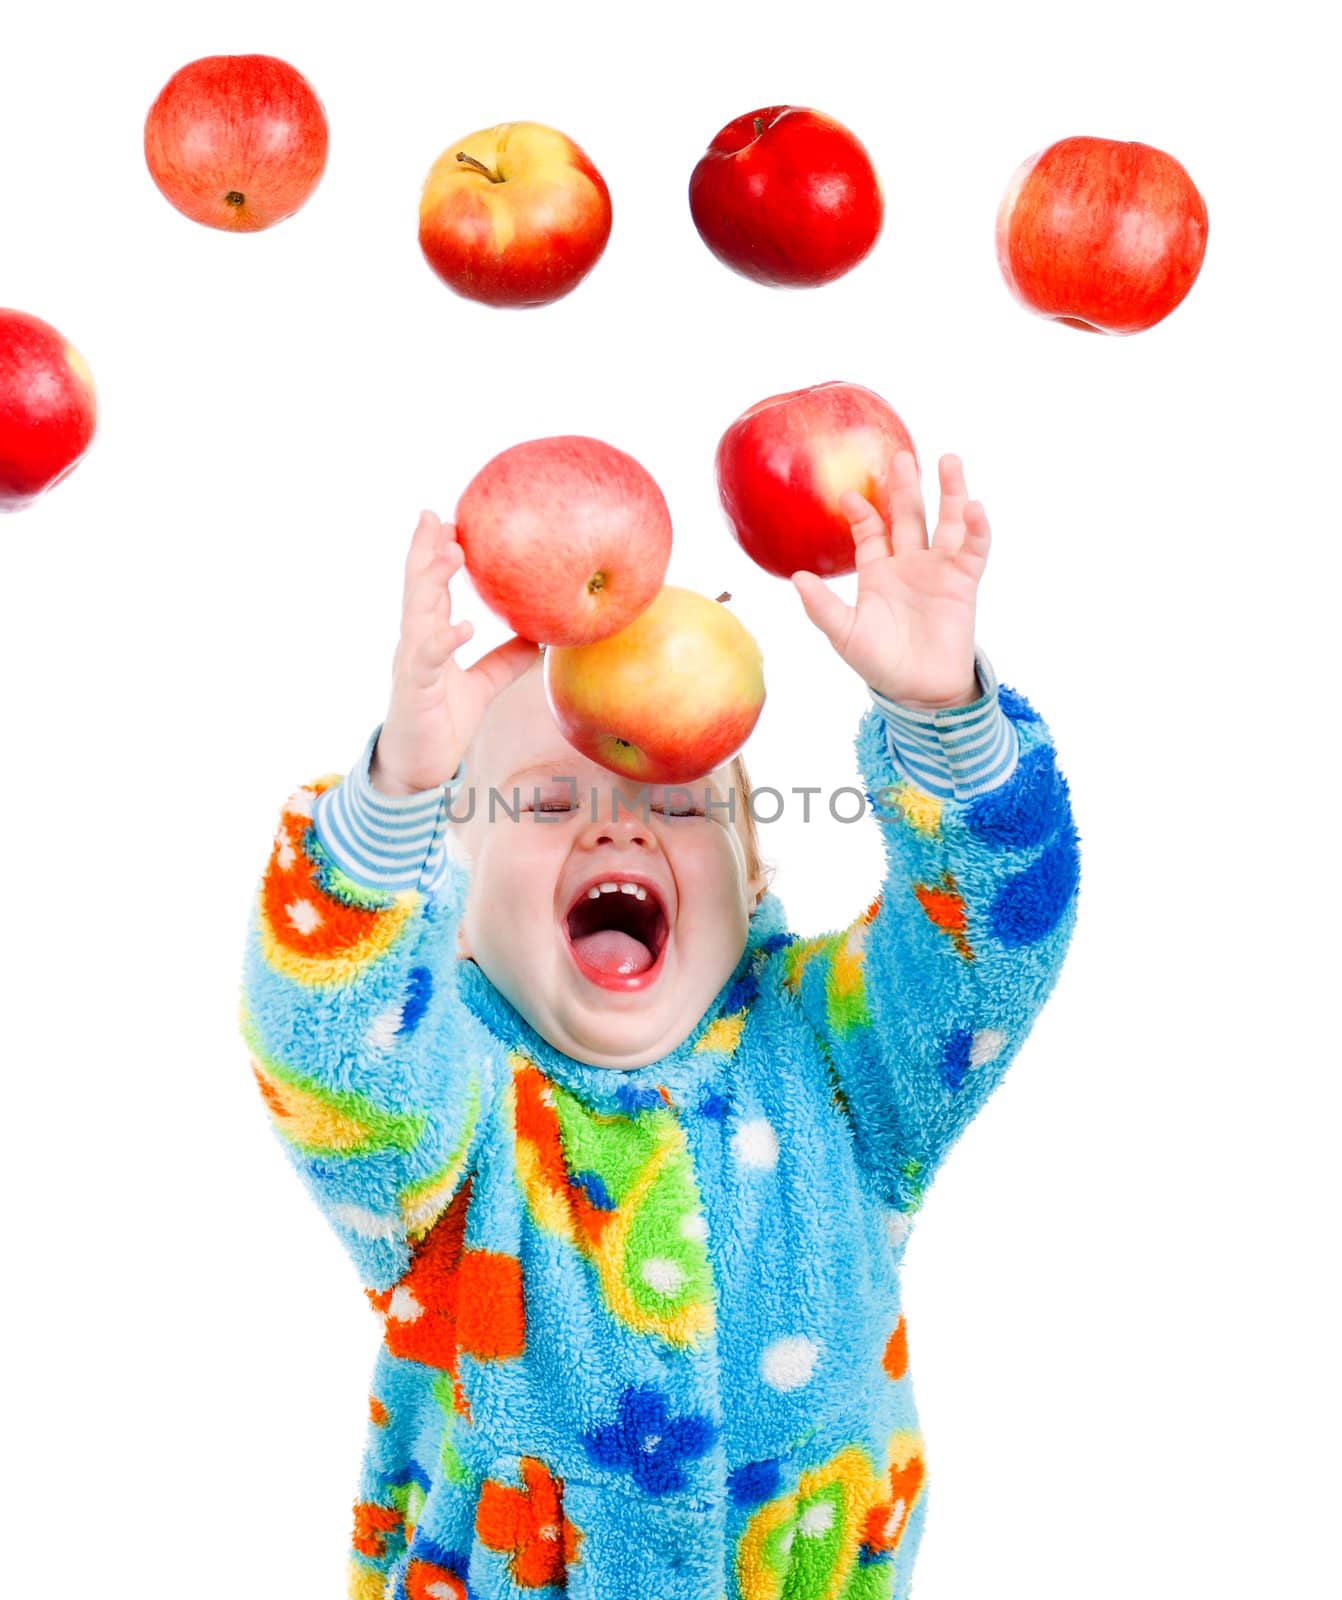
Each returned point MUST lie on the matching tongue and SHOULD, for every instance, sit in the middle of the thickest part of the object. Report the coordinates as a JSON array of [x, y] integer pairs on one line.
[[609, 950]]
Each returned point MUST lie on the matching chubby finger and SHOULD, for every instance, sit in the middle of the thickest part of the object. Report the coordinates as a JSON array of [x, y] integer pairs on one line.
[[978, 535], [950, 523], [431, 591], [871, 538], [423, 548], [423, 656], [954, 491], [833, 616], [454, 635], [908, 516], [498, 667]]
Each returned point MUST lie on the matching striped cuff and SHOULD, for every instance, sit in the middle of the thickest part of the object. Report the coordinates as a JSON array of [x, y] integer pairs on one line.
[[953, 754], [380, 841]]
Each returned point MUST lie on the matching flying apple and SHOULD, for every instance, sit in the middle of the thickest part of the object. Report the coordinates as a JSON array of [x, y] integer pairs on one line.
[[784, 463], [787, 196], [567, 539], [670, 697], [236, 142], [48, 408], [514, 215], [1101, 235]]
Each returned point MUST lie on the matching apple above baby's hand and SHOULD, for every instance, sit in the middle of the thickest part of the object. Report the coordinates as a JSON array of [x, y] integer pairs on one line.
[[236, 142], [783, 467], [515, 215], [1101, 234], [787, 196], [48, 408], [567, 538], [668, 698]]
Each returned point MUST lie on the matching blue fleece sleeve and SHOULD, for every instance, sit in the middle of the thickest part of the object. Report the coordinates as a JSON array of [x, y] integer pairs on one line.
[[920, 1004], [372, 1069]]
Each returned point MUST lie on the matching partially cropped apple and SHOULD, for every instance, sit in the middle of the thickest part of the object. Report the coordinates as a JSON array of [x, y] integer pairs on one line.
[[1101, 235], [665, 700], [567, 539], [515, 215], [48, 408], [783, 465], [236, 142], [787, 196]]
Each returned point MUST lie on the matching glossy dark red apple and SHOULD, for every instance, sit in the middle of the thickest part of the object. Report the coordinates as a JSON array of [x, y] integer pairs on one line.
[[1101, 234], [784, 463], [236, 142], [787, 196], [48, 408]]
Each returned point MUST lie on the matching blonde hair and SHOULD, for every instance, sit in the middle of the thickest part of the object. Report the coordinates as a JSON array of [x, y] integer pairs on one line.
[[755, 862]]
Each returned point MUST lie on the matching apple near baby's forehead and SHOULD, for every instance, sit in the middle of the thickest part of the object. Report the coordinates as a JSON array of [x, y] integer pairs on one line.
[[518, 745]]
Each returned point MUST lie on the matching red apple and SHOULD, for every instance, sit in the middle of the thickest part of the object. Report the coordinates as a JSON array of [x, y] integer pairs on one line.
[[48, 408], [514, 215], [665, 700], [787, 196], [568, 539], [236, 142], [1100, 234], [783, 464]]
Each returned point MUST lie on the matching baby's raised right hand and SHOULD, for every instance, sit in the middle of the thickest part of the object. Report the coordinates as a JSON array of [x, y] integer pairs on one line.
[[436, 706]]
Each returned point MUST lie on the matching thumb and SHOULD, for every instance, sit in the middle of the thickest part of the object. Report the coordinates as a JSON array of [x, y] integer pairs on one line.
[[834, 617], [504, 663]]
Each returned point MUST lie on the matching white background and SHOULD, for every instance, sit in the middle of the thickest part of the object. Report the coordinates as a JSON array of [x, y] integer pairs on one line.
[[1118, 1293]]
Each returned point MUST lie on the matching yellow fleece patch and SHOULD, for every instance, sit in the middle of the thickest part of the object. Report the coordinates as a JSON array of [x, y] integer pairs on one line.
[[922, 811], [723, 1033]]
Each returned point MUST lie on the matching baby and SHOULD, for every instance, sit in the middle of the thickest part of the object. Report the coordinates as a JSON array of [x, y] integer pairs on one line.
[[627, 1167]]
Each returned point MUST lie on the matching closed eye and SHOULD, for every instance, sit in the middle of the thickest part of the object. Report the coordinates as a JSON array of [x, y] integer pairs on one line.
[[551, 797]]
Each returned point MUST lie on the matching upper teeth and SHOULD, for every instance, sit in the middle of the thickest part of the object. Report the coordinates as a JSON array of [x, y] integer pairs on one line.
[[612, 887]]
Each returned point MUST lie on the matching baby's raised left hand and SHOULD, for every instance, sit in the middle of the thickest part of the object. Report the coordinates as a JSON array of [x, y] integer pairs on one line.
[[911, 634]]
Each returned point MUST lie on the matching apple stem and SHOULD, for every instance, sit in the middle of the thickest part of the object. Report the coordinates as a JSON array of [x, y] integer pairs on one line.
[[479, 166], [723, 596], [759, 126], [233, 198]]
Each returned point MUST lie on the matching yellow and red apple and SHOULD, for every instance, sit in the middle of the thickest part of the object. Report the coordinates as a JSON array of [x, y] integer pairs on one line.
[[515, 215], [783, 465], [567, 539], [1101, 234], [668, 698], [236, 142], [48, 408]]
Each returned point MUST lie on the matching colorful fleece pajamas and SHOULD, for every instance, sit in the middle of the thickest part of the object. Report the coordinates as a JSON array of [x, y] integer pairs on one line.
[[643, 1337]]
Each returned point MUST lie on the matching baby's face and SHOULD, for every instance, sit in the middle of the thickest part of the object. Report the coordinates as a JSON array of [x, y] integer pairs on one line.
[[615, 977]]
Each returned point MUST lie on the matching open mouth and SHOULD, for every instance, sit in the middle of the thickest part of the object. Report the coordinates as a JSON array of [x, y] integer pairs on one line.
[[616, 930]]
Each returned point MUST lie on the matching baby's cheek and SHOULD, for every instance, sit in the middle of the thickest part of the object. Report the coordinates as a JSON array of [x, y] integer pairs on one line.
[[713, 914], [515, 874]]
